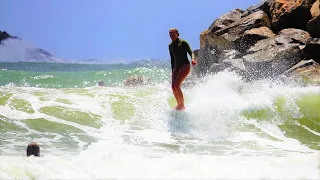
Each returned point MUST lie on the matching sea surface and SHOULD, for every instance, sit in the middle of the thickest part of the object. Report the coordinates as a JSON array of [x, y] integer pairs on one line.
[[231, 129]]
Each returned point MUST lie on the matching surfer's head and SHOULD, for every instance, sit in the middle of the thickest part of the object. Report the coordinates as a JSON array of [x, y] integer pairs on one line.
[[174, 34], [101, 83], [33, 149]]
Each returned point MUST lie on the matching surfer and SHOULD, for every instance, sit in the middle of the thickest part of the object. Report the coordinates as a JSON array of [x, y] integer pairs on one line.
[[180, 65]]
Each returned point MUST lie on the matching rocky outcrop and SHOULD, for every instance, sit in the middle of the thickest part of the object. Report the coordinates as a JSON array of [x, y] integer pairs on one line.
[[290, 14], [313, 26], [263, 41], [231, 35], [222, 22], [4, 35]]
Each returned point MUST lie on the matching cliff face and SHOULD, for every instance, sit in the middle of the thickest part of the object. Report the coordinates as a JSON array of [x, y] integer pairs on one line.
[[264, 41]]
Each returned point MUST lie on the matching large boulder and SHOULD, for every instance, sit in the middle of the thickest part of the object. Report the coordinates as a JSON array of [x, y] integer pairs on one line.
[[221, 22], [254, 35], [293, 36], [225, 20], [313, 26], [230, 36], [290, 14], [273, 56]]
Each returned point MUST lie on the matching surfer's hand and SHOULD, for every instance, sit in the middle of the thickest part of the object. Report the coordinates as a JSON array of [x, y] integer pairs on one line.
[[194, 62]]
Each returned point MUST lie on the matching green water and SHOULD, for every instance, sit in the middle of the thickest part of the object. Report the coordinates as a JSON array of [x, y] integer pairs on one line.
[[56, 75], [293, 125]]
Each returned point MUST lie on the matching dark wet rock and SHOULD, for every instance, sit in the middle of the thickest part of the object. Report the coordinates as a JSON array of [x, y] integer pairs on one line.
[[290, 14], [312, 49]]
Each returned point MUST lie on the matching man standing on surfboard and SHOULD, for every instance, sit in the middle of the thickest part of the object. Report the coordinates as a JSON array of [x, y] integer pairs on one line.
[[180, 65]]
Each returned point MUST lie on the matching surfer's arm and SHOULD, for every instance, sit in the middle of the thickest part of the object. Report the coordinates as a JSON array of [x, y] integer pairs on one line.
[[172, 59], [189, 50]]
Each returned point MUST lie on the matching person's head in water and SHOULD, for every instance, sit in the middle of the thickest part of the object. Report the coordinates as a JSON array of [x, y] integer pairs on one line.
[[101, 83], [33, 149], [174, 34]]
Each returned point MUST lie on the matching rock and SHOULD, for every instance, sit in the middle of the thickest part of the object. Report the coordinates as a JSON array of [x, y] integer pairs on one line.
[[205, 57], [264, 6], [136, 80], [221, 22], [301, 64], [234, 65], [312, 48], [292, 35], [230, 36], [268, 58], [290, 14], [307, 71], [4, 35], [315, 9], [313, 26], [225, 20], [238, 63], [203, 37], [254, 35], [230, 54], [271, 57]]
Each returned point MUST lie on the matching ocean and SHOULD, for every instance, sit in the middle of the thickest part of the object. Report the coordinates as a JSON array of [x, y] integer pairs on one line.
[[231, 129]]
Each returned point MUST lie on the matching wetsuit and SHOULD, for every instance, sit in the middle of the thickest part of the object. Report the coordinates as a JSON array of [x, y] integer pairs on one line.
[[178, 53]]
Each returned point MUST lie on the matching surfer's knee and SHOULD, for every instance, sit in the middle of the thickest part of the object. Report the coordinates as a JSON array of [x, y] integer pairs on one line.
[[33, 149], [176, 86]]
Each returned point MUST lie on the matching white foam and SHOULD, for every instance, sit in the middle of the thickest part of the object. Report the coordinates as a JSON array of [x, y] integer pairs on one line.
[[160, 143]]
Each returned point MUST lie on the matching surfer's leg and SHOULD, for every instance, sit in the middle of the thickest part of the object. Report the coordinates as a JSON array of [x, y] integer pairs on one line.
[[182, 74], [174, 77]]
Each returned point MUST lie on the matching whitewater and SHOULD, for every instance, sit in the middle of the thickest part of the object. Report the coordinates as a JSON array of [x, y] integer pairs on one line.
[[231, 129]]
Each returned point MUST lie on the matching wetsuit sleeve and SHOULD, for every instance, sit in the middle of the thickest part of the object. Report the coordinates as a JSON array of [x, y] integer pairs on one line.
[[172, 59], [189, 50]]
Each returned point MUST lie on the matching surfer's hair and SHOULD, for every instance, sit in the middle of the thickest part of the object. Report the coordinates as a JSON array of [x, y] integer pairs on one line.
[[175, 30]]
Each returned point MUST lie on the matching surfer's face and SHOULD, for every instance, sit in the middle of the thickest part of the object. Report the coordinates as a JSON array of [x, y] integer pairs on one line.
[[173, 34]]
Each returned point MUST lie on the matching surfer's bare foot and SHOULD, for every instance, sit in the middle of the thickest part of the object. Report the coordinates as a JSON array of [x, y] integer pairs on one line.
[[180, 108]]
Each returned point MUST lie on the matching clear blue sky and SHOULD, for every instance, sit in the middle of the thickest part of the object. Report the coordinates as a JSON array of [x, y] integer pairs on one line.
[[102, 29]]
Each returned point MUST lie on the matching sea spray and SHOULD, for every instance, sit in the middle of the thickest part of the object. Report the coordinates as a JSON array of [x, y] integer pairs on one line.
[[231, 129]]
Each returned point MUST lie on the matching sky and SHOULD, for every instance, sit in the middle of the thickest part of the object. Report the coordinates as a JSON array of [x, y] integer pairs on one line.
[[111, 29]]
